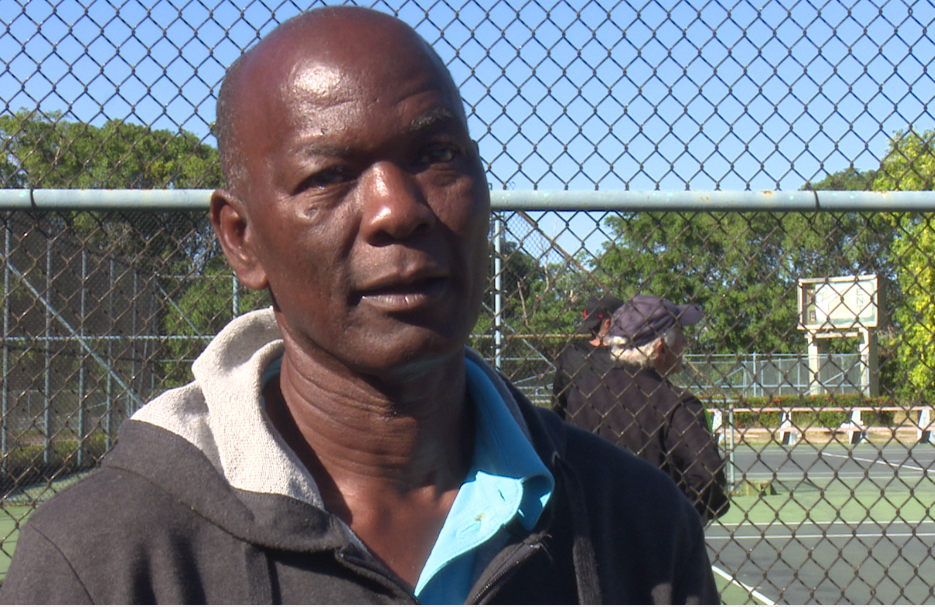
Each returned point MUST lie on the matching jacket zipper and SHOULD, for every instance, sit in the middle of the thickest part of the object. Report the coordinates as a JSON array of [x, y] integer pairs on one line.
[[523, 554]]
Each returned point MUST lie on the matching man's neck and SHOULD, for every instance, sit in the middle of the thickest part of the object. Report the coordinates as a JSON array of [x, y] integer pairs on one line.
[[388, 462]]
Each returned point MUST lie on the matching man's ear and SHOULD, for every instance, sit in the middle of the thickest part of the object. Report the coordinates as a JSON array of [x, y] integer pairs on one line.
[[232, 225]]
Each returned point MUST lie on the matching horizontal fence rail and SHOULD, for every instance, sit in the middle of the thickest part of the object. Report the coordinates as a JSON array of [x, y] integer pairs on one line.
[[529, 200]]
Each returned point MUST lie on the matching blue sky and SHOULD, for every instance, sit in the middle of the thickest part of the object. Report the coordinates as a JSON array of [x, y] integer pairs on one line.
[[648, 95]]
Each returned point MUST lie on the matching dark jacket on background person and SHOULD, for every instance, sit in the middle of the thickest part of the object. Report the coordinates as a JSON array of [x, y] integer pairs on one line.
[[641, 411], [577, 361], [201, 502]]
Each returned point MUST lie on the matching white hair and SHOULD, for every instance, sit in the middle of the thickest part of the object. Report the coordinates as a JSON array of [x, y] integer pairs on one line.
[[640, 356]]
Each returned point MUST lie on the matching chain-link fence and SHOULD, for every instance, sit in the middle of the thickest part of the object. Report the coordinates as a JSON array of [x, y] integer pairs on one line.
[[818, 393]]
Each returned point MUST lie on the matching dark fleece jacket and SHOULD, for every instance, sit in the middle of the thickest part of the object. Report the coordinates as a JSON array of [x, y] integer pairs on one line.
[[160, 523]]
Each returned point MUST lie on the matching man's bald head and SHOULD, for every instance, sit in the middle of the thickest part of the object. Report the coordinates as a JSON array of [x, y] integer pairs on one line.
[[338, 34]]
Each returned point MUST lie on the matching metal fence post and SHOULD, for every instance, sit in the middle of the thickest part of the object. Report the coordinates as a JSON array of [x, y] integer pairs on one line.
[[498, 291], [5, 420], [109, 424], [81, 387], [47, 396], [235, 296], [731, 448], [134, 306]]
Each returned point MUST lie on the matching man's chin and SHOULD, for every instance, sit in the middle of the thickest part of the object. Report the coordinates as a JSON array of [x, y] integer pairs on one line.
[[406, 352], [412, 368]]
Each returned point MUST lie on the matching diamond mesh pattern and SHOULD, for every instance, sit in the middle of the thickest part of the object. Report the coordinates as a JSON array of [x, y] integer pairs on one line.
[[826, 451]]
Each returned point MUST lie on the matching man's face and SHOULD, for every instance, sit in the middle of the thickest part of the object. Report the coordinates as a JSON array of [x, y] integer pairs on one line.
[[670, 360], [367, 204]]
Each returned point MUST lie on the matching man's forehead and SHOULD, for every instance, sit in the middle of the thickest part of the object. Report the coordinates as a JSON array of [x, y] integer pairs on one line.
[[343, 36], [318, 80], [318, 71], [336, 57]]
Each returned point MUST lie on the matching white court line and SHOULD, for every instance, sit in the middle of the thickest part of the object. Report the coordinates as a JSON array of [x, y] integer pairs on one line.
[[773, 522], [874, 461], [815, 536], [753, 591], [768, 476]]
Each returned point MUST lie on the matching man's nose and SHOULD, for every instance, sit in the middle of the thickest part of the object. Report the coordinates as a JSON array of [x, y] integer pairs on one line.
[[394, 204]]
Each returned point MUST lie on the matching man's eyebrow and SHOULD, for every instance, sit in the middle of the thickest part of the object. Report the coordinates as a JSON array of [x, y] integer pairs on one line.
[[435, 116], [319, 145]]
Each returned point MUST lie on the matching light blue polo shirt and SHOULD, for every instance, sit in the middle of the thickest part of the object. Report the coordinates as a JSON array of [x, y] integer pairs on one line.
[[507, 480]]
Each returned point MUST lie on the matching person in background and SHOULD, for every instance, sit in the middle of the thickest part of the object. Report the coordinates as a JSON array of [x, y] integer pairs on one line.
[[648, 415], [584, 357]]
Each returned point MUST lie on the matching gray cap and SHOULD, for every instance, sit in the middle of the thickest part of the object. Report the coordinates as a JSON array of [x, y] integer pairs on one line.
[[647, 317]]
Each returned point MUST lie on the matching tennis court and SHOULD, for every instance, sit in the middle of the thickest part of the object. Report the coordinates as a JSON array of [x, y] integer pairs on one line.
[[845, 525]]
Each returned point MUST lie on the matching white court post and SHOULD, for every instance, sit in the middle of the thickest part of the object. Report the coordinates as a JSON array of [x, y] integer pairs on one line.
[[856, 432], [869, 363], [788, 433], [925, 426], [717, 421], [814, 365]]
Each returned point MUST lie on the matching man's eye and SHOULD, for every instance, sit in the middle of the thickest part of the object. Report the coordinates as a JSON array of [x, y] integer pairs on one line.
[[438, 153], [325, 178], [331, 176]]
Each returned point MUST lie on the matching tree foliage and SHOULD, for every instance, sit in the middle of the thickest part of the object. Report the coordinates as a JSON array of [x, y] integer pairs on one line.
[[741, 268], [48, 151], [850, 179], [530, 300], [910, 165], [728, 263], [204, 306], [175, 252]]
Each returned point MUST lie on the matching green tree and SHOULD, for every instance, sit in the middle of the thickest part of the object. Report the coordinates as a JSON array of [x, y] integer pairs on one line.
[[520, 275], [537, 316], [205, 305], [910, 165], [49, 151], [175, 252], [728, 263], [742, 268], [850, 179]]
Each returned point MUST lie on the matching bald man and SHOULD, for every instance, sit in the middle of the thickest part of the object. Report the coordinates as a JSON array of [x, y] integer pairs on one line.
[[345, 446]]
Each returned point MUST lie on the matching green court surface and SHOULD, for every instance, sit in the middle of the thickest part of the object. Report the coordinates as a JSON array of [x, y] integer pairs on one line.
[[11, 518], [733, 593], [848, 502], [16, 508]]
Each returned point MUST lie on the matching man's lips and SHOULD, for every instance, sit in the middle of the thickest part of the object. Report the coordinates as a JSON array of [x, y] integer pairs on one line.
[[395, 294]]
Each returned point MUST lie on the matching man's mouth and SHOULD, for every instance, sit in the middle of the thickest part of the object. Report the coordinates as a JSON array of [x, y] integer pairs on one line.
[[405, 296]]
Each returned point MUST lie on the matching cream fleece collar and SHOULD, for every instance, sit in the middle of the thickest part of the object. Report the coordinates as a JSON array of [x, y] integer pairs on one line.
[[220, 412]]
